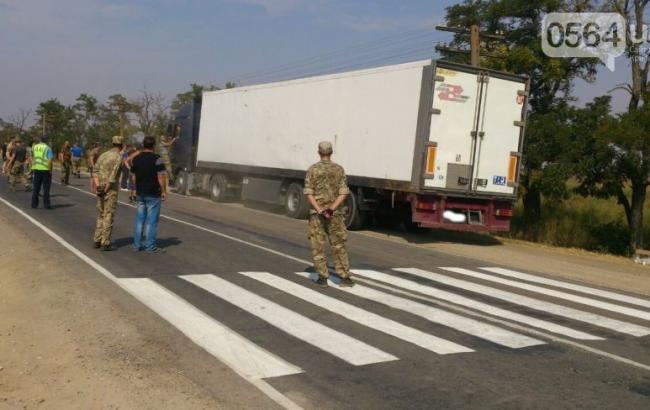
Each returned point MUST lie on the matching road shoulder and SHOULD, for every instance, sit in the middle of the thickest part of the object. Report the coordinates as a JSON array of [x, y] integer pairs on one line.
[[70, 339]]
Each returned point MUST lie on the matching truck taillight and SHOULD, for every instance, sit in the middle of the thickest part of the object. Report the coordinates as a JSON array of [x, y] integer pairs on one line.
[[431, 159], [503, 212], [512, 167]]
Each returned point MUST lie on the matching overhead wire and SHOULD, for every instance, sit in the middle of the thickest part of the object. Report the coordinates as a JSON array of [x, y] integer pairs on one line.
[[364, 58], [372, 44]]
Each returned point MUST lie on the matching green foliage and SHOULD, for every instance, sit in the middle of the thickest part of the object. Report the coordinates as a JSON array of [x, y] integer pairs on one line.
[[617, 156], [192, 95]]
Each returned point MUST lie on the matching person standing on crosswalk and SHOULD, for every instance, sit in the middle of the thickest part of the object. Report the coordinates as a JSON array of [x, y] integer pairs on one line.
[[326, 190], [106, 178]]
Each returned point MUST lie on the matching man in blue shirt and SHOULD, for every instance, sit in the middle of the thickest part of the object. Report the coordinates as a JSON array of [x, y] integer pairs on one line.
[[76, 152], [42, 157]]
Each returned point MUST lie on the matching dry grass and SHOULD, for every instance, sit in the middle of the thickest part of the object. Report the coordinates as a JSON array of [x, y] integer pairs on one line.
[[580, 222]]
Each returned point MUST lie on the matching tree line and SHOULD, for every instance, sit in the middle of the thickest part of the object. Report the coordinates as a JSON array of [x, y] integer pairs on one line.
[[88, 121], [603, 154]]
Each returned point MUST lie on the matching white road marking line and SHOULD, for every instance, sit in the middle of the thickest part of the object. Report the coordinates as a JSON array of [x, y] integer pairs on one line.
[[461, 323], [571, 286], [228, 346], [553, 293], [260, 384], [474, 304], [332, 341], [286, 403], [222, 235], [553, 338], [559, 310], [355, 314]]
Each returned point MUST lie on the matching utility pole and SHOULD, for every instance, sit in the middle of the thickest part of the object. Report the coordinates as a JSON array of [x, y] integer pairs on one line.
[[475, 36], [475, 45]]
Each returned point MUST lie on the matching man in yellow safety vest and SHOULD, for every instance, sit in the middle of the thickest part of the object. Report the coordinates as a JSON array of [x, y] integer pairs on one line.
[[42, 167]]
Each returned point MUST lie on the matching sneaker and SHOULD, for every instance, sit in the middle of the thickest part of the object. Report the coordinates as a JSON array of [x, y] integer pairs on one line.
[[347, 282], [97, 245], [321, 281]]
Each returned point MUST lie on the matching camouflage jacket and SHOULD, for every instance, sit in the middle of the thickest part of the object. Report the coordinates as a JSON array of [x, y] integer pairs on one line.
[[325, 180], [108, 169]]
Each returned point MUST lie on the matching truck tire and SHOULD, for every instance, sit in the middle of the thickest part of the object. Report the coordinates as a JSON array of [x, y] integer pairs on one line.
[[181, 183], [295, 203], [218, 188], [355, 218]]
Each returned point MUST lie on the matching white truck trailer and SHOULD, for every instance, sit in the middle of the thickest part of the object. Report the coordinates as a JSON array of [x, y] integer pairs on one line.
[[430, 143]]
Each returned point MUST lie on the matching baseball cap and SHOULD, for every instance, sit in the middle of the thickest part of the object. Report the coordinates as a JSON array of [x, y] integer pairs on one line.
[[325, 148]]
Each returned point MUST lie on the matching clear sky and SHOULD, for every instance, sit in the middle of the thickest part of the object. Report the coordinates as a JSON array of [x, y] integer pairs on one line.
[[61, 48]]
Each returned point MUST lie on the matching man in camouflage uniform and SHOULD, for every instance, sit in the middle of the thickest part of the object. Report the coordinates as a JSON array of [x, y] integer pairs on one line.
[[65, 156], [106, 178], [17, 166], [166, 143], [326, 190]]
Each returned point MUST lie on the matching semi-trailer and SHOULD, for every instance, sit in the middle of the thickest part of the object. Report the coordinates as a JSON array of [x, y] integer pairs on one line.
[[430, 144]]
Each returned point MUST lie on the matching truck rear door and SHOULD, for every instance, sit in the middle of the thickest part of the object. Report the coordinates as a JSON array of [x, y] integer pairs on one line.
[[475, 132]]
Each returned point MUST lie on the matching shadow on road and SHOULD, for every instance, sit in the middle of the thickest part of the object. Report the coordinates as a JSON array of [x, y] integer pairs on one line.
[[160, 242], [438, 236], [57, 206]]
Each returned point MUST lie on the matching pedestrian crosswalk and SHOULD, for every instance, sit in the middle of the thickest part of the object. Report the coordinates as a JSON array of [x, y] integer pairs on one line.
[[409, 293]]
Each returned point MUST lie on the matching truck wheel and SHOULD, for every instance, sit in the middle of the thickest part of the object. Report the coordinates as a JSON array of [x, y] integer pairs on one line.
[[355, 218], [296, 205], [181, 183], [218, 188]]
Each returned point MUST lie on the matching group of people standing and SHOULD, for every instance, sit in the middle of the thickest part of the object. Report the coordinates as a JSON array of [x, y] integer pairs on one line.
[[147, 175], [145, 172]]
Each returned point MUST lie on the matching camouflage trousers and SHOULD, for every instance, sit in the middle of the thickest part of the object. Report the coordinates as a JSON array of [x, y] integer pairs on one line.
[[168, 165], [18, 172], [76, 166], [105, 211], [65, 172], [333, 230]]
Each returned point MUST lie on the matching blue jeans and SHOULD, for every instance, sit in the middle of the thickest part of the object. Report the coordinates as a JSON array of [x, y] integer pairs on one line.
[[146, 220]]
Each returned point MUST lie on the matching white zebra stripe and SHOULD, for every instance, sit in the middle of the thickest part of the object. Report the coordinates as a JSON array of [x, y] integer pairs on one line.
[[474, 304], [559, 310], [452, 320], [571, 286], [332, 341], [355, 314]]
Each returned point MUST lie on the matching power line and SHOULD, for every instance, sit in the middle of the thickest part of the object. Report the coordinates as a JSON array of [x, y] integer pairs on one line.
[[382, 41], [361, 58], [418, 52], [370, 51]]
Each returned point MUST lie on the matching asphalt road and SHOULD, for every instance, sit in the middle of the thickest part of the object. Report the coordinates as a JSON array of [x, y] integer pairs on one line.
[[441, 332]]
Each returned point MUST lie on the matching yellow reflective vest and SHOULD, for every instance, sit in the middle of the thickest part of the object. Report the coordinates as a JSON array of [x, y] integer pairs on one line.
[[40, 161]]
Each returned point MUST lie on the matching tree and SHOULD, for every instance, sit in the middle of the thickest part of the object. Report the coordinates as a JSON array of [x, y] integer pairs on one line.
[[551, 79], [151, 112], [114, 118], [615, 162], [86, 122], [633, 12], [55, 120], [193, 94], [19, 120]]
